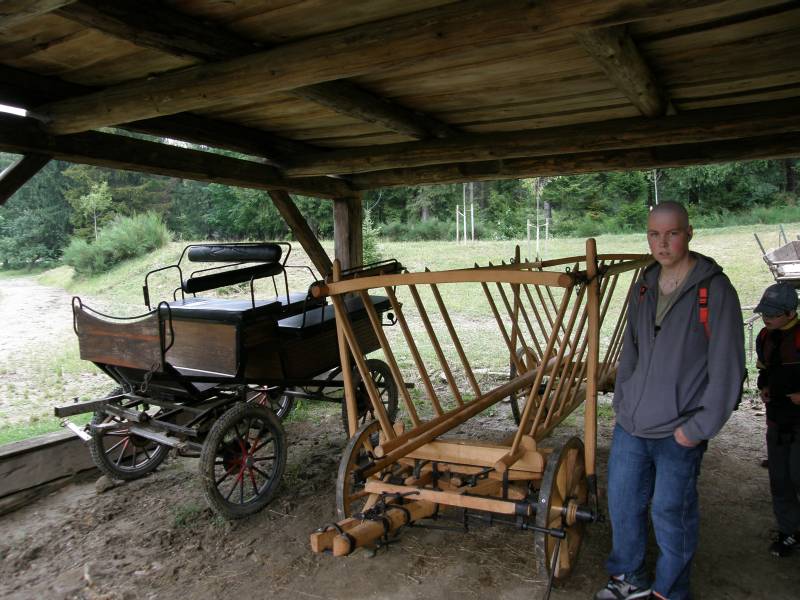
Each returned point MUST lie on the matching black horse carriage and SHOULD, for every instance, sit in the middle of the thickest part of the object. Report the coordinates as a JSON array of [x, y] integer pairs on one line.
[[212, 377]]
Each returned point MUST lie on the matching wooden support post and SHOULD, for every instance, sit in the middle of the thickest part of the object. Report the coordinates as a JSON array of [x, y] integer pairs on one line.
[[302, 232], [347, 237], [590, 407], [18, 174]]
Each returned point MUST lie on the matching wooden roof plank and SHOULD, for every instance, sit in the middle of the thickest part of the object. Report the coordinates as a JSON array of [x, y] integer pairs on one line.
[[697, 126], [164, 29], [24, 136], [679, 155], [17, 12], [26, 90], [342, 54]]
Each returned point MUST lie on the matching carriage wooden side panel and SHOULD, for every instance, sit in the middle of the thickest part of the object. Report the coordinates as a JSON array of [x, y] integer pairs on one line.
[[204, 345], [134, 344]]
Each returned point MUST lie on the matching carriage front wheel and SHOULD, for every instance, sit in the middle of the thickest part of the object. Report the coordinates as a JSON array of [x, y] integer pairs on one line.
[[117, 452], [242, 461], [381, 376]]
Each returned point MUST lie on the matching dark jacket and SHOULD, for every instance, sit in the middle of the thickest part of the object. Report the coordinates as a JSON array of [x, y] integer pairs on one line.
[[779, 371], [678, 376]]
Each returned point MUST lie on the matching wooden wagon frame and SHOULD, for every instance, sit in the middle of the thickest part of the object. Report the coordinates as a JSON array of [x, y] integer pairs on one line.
[[391, 475]]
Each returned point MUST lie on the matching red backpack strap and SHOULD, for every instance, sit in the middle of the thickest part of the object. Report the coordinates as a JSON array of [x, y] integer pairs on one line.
[[642, 292], [702, 305]]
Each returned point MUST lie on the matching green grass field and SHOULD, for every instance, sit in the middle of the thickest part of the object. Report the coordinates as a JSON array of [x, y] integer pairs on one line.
[[119, 292]]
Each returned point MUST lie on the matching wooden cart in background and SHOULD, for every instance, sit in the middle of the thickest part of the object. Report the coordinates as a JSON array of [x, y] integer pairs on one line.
[[548, 318]]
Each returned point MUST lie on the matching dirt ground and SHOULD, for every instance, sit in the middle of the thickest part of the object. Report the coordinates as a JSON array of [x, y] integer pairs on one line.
[[156, 539]]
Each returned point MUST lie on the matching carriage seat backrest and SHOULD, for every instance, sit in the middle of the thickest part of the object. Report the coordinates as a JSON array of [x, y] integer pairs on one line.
[[218, 279], [323, 316], [263, 253], [136, 344]]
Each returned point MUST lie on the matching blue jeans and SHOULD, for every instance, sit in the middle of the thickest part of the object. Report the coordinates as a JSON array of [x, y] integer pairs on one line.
[[662, 474]]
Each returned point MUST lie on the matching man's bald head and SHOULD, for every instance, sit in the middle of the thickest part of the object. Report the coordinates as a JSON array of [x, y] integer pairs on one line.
[[674, 209]]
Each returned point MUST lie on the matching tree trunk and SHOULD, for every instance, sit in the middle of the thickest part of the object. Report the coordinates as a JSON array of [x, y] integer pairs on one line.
[[424, 213], [790, 175]]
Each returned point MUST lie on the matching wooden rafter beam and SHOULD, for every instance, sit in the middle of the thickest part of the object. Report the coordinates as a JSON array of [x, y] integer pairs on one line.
[[27, 90], [161, 28], [376, 46], [18, 12], [24, 136], [302, 232], [616, 53], [742, 121], [18, 174], [349, 99], [680, 155], [154, 25]]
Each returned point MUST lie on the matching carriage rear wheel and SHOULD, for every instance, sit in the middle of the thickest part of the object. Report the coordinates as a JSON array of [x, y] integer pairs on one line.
[[275, 398], [564, 487], [117, 452], [381, 375], [243, 459]]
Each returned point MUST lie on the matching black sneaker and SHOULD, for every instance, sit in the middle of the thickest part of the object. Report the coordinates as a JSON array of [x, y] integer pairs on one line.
[[619, 589], [784, 544]]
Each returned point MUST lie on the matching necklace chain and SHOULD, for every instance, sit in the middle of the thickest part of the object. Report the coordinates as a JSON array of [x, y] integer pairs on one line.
[[672, 282]]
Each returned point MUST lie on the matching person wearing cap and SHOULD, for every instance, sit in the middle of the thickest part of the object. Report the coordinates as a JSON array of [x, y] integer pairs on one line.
[[778, 350], [678, 380]]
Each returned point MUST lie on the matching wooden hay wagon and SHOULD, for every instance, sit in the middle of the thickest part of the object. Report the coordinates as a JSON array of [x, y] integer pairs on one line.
[[212, 376], [547, 316]]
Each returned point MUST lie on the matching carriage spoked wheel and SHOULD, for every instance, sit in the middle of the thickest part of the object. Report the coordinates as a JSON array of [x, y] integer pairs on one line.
[[117, 452], [351, 498], [564, 488], [518, 399], [243, 459], [381, 375], [274, 398]]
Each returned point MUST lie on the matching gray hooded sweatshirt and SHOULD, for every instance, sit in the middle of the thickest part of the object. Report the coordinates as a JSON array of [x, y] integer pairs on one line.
[[678, 376]]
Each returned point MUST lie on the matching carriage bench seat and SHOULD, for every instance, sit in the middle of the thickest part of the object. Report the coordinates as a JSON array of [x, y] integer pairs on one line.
[[323, 317], [222, 309]]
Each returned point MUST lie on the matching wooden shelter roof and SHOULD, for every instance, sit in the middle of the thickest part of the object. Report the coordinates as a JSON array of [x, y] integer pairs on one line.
[[332, 97]]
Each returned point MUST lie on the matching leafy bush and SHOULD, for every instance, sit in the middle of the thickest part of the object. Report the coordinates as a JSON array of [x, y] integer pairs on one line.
[[125, 238]]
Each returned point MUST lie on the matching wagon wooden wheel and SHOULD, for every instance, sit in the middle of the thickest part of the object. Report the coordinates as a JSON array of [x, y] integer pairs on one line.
[[564, 488], [350, 495]]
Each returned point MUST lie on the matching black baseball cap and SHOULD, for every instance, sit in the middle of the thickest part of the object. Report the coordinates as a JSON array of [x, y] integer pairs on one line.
[[778, 299]]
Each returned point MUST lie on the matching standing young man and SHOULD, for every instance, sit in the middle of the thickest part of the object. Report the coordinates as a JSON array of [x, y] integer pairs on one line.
[[679, 378]]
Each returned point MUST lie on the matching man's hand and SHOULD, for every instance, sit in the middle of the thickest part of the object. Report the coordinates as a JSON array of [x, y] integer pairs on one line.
[[764, 393], [795, 398], [681, 438]]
